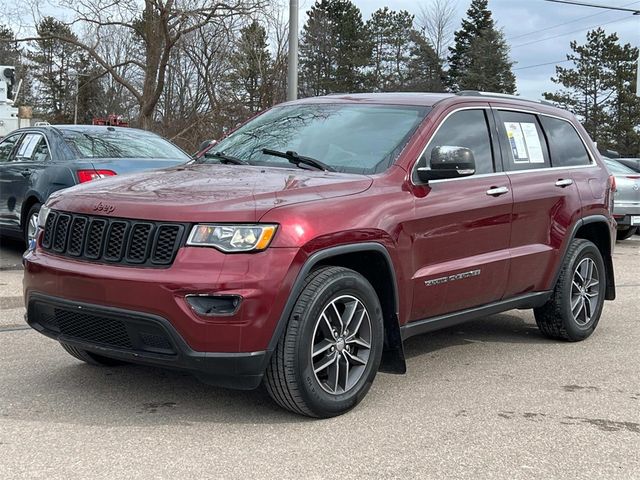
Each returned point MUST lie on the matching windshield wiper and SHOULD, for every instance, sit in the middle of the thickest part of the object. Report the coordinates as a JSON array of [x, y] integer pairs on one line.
[[296, 159], [224, 158]]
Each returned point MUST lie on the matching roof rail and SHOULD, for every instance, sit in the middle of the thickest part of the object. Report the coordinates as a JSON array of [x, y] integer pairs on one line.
[[476, 93]]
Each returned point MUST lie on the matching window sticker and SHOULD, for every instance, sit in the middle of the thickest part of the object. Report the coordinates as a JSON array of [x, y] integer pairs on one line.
[[516, 141], [533, 142], [27, 146], [524, 142]]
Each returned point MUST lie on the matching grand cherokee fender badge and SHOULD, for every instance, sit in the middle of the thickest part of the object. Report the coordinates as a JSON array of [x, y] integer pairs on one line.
[[451, 278], [103, 207]]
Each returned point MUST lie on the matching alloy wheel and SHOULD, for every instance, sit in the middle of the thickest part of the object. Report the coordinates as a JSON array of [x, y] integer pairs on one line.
[[585, 291], [341, 344]]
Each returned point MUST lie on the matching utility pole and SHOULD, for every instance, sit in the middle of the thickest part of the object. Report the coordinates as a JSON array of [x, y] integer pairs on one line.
[[607, 7], [292, 64]]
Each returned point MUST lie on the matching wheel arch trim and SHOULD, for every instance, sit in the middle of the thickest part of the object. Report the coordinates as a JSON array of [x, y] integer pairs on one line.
[[394, 365], [27, 204], [608, 261]]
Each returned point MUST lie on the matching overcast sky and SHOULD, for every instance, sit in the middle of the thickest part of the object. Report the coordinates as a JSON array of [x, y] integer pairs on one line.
[[535, 21]]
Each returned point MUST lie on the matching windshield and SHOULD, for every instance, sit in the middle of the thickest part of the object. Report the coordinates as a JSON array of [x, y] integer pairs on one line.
[[121, 144], [349, 138]]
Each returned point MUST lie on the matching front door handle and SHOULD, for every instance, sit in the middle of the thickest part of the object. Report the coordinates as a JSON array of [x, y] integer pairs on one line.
[[564, 182], [497, 191], [26, 172]]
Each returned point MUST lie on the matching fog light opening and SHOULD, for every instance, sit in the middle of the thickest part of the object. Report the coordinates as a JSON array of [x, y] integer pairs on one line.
[[214, 305]]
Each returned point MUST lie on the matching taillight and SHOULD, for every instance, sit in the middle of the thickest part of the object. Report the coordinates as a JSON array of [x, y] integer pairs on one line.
[[88, 175], [612, 183]]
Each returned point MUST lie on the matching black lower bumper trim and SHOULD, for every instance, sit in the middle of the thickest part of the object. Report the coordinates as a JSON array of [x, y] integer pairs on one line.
[[140, 338]]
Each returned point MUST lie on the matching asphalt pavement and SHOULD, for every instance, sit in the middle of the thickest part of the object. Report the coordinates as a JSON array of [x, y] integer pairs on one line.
[[488, 399]]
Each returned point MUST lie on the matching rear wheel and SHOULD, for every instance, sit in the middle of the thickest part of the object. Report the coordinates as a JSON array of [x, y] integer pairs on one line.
[[326, 360], [623, 234], [574, 309], [91, 358]]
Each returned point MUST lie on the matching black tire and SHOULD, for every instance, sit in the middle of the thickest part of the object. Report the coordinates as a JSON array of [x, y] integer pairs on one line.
[[555, 318], [290, 378], [91, 358], [623, 234], [34, 210]]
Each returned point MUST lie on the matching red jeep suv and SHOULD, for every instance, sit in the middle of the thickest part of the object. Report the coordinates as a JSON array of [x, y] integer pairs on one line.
[[314, 239]]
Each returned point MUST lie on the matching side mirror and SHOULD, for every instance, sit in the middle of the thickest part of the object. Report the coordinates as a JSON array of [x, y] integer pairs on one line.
[[448, 162]]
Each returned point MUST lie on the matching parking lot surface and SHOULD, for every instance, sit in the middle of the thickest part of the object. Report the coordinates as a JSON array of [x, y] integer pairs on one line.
[[488, 399]]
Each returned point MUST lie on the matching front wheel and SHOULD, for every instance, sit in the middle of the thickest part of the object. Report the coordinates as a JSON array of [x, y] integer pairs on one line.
[[326, 360], [575, 306]]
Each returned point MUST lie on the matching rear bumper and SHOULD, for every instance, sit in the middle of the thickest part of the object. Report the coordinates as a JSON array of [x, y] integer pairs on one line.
[[624, 221], [140, 338], [622, 211]]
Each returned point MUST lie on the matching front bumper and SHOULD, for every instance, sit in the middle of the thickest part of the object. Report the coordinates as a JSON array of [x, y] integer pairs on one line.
[[263, 280], [140, 338]]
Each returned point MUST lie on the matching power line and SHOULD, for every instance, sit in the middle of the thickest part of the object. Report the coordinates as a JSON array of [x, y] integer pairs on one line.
[[541, 64], [563, 24], [595, 5], [569, 33]]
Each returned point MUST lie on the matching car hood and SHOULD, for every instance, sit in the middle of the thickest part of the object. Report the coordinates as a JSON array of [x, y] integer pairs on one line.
[[197, 192]]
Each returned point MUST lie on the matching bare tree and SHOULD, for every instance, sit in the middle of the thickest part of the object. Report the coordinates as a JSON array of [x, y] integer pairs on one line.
[[277, 24], [156, 30], [437, 19]]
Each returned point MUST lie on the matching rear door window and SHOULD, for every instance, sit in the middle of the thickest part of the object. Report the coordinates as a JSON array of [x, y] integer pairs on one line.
[[32, 148], [565, 145], [523, 142]]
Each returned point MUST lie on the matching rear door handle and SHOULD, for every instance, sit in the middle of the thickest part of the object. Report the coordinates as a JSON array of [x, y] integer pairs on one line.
[[497, 191], [564, 182], [26, 172]]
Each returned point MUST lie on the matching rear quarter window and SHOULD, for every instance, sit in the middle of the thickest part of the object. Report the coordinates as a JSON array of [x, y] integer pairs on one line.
[[565, 145]]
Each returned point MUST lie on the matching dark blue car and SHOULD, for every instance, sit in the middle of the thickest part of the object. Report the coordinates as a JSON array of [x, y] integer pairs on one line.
[[37, 161]]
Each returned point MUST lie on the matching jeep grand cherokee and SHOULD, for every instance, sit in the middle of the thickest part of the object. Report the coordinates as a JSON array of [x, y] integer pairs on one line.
[[318, 236]]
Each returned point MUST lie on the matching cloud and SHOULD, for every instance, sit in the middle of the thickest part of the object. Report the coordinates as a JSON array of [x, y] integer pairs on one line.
[[529, 21]]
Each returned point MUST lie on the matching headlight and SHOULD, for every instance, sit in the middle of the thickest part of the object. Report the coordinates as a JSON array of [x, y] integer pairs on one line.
[[42, 216], [232, 238]]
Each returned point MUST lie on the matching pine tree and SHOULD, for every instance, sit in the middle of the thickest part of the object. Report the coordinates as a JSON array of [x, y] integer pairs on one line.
[[489, 66], [424, 72], [252, 64], [390, 37], [9, 51], [599, 89], [624, 123], [333, 48], [56, 64], [477, 43]]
